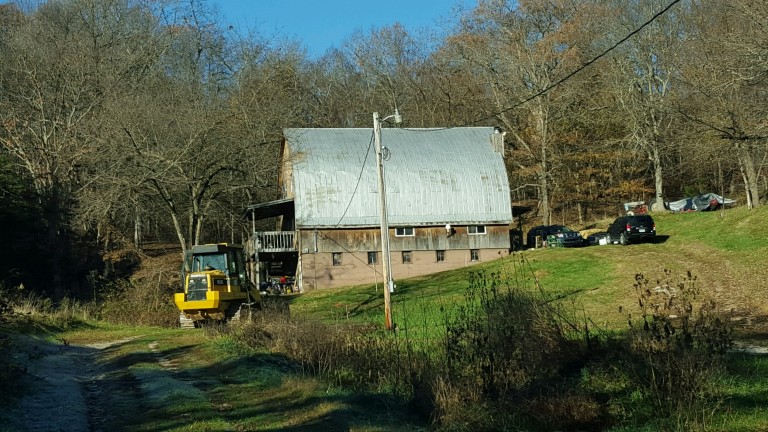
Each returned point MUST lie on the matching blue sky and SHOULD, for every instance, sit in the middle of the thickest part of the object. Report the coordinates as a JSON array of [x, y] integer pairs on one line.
[[320, 25]]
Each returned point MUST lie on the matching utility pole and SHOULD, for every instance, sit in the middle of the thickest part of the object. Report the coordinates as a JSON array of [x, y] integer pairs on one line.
[[386, 260]]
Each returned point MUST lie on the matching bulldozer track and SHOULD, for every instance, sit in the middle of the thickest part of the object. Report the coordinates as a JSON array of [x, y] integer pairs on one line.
[[186, 323], [236, 311]]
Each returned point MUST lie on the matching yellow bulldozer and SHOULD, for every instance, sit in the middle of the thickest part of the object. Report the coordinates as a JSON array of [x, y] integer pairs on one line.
[[216, 285]]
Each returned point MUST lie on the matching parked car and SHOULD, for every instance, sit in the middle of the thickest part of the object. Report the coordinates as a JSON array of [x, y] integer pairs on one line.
[[596, 238], [632, 229], [560, 234]]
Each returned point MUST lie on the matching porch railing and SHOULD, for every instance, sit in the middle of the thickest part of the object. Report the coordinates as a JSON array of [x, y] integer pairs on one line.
[[274, 241]]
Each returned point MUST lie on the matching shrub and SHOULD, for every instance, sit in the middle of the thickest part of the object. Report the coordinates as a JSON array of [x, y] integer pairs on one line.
[[514, 350], [147, 297], [503, 337], [353, 355], [675, 349], [143, 303], [513, 359]]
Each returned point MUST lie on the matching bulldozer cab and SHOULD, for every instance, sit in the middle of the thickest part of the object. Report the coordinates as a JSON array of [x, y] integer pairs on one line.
[[210, 263], [224, 258]]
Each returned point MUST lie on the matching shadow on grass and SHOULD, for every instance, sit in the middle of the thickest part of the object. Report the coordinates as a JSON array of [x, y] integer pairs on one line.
[[266, 392], [747, 388], [361, 309]]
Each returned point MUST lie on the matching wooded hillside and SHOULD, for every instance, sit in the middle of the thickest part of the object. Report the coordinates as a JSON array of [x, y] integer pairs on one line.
[[124, 121]]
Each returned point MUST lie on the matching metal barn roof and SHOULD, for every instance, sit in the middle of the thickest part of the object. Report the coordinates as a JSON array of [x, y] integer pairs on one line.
[[432, 177]]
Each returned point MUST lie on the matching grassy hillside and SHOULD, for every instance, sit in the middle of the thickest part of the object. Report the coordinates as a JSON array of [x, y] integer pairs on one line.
[[725, 251], [278, 374]]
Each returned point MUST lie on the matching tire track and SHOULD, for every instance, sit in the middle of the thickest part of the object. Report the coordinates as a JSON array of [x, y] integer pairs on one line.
[[63, 387]]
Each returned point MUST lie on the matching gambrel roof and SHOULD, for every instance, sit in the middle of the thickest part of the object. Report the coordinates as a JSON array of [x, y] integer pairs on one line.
[[432, 177]]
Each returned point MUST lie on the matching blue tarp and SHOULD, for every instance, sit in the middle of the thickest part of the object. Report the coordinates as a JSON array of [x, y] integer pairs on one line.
[[703, 202]]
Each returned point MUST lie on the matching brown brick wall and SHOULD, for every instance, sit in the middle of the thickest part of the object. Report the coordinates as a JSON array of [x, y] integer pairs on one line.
[[319, 272]]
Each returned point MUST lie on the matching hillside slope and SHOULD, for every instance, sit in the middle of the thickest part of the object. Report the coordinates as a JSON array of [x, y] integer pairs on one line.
[[725, 251]]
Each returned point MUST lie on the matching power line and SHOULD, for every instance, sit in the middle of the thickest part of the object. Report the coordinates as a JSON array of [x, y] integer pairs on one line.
[[354, 192], [562, 80], [373, 266], [360, 176]]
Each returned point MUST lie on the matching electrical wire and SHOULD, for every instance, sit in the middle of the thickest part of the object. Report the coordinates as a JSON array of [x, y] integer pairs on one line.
[[373, 266], [523, 102], [360, 176], [560, 81]]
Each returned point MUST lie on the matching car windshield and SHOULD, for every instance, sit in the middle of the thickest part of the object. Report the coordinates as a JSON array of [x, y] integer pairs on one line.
[[560, 229]]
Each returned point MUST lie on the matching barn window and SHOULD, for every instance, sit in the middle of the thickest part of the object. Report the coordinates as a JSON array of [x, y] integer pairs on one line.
[[404, 232], [373, 258], [440, 255], [476, 229], [406, 257], [474, 254], [337, 258]]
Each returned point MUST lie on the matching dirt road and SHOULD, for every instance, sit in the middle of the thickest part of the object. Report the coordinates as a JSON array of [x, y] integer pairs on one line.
[[70, 388], [171, 380]]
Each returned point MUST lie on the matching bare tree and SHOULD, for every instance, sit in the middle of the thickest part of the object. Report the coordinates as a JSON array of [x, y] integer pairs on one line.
[[61, 63], [201, 137], [646, 66], [725, 81], [519, 51]]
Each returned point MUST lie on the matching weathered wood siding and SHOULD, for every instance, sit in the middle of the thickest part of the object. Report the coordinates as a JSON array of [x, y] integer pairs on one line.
[[425, 238]]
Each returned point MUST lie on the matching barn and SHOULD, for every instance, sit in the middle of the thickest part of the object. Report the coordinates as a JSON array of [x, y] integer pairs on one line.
[[447, 199]]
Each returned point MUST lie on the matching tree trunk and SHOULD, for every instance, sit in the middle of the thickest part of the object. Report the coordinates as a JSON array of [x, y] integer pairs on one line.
[[137, 231], [541, 126], [179, 233], [199, 229], [54, 242], [748, 171], [544, 193], [658, 177]]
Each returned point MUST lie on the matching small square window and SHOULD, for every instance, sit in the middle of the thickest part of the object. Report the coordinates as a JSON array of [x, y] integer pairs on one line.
[[337, 258], [440, 255], [406, 257], [474, 254], [476, 229], [373, 258], [404, 232]]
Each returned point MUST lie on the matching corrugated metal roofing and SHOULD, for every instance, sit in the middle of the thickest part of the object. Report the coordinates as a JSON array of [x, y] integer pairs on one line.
[[432, 176]]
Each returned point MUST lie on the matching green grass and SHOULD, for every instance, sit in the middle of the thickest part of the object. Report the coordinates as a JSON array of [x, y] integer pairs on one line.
[[737, 230], [220, 384], [426, 301], [240, 388], [746, 389], [724, 250]]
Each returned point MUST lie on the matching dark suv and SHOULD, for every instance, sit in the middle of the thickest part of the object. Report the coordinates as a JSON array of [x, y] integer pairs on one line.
[[560, 235], [632, 229]]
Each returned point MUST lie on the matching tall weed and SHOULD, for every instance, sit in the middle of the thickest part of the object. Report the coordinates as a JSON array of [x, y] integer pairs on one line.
[[129, 302], [31, 311], [675, 349], [28, 312], [512, 358], [355, 356], [514, 350]]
